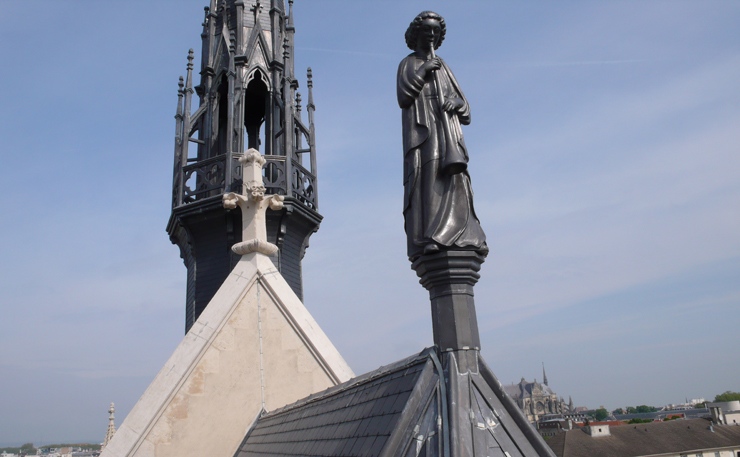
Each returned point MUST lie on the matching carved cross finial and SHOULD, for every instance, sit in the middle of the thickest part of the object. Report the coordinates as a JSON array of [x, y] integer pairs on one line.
[[256, 9], [253, 202]]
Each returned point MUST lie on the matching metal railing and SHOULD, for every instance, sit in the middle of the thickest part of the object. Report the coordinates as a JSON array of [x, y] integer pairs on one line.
[[207, 178]]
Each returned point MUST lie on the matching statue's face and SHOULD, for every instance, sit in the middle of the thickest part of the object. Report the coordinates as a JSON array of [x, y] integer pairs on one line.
[[429, 33]]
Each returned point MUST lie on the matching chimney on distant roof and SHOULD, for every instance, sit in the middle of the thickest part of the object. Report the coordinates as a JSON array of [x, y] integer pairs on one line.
[[598, 430]]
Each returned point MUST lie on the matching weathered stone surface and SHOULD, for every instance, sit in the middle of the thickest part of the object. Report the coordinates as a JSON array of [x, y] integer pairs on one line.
[[255, 346]]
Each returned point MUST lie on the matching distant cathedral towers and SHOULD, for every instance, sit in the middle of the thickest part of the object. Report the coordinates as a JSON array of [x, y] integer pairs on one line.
[[247, 99], [537, 400]]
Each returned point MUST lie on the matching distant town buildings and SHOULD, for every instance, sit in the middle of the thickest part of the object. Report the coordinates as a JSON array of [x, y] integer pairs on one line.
[[725, 413], [695, 413], [674, 438], [690, 404], [674, 431], [66, 451]]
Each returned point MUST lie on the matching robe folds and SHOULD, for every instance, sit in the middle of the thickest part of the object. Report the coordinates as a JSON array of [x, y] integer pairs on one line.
[[438, 206]]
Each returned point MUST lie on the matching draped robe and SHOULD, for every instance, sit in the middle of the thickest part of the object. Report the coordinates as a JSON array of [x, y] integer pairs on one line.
[[438, 206]]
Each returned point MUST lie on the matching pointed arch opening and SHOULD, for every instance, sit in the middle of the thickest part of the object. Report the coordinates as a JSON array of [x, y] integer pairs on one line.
[[256, 100]]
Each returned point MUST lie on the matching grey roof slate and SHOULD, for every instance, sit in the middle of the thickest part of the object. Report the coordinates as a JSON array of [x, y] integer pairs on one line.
[[422, 405], [354, 418]]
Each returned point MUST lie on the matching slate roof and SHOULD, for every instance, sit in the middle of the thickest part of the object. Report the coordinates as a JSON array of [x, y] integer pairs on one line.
[[402, 409], [354, 418], [676, 436]]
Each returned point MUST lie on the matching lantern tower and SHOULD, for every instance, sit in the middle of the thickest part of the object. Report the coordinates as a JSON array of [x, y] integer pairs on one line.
[[248, 98]]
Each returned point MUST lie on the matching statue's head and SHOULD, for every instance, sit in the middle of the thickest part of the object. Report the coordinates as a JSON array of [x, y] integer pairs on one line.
[[421, 22]]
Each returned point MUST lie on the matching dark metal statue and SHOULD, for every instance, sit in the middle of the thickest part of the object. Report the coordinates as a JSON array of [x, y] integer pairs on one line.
[[438, 198]]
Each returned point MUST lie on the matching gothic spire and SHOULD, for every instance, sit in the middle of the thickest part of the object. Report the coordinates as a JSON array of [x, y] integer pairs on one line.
[[544, 375], [111, 426]]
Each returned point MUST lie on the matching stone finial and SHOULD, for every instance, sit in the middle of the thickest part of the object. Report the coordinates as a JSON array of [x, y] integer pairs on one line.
[[111, 426], [253, 203], [256, 9]]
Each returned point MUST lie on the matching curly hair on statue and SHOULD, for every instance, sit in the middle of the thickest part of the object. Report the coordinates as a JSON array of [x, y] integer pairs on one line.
[[413, 31]]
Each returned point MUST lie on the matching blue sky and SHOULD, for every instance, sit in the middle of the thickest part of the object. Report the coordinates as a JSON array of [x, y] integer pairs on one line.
[[604, 157]]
